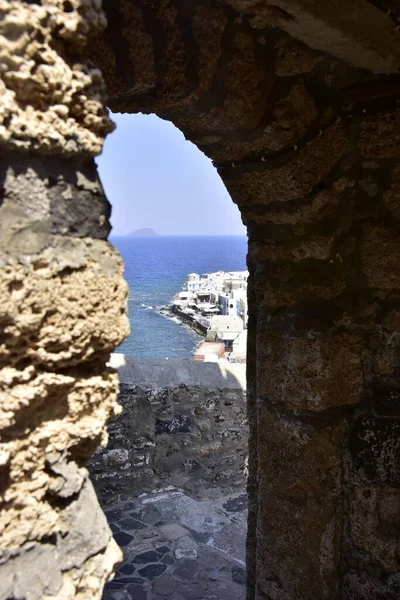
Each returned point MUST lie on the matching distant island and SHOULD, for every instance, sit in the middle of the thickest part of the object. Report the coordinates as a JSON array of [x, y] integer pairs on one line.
[[145, 232]]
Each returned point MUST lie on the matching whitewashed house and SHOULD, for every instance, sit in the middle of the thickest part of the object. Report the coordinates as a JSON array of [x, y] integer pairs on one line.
[[194, 283]]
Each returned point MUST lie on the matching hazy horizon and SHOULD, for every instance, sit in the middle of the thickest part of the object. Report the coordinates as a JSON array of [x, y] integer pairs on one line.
[[179, 235], [155, 179]]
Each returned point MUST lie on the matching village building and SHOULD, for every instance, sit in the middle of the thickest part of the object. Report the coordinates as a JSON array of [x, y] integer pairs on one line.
[[215, 304], [239, 347], [194, 282], [210, 352], [224, 328]]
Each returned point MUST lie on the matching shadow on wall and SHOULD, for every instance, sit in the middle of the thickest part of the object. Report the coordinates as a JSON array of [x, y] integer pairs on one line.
[[183, 424]]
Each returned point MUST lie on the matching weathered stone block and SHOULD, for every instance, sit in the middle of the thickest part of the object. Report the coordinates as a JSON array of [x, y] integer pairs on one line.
[[360, 585], [178, 424], [386, 399], [364, 39], [81, 556], [273, 295], [377, 139], [299, 508], [391, 196], [379, 255], [313, 373], [373, 526], [62, 311], [374, 445], [293, 180], [33, 573], [52, 100]]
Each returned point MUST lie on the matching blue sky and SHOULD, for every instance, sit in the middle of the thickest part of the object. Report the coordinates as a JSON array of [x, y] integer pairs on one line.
[[154, 178]]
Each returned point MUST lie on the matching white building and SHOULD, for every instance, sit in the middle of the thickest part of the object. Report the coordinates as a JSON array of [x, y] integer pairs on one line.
[[221, 280], [183, 299], [224, 328], [239, 347], [234, 304], [239, 301], [194, 283], [218, 302]]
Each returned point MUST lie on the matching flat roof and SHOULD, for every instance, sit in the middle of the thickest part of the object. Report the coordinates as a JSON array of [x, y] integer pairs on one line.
[[210, 348], [229, 318]]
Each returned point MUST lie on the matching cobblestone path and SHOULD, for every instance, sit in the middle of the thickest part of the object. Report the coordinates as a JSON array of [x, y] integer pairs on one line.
[[178, 548]]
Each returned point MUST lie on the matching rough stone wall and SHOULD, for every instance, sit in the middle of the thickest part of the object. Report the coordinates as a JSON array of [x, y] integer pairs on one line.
[[62, 304], [307, 145], [363, 33], [182, 424]]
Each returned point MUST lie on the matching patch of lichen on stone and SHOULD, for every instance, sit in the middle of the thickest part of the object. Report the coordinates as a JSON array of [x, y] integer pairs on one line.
[[51, 99]]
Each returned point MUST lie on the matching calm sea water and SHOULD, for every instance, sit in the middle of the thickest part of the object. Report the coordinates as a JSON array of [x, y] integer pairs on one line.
[[156, 269]]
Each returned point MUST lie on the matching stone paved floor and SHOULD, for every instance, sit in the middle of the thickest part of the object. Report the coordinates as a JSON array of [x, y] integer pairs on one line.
[[178, 548]]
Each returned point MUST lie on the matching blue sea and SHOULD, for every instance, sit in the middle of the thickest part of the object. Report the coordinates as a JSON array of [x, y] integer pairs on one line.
[[156, 269]]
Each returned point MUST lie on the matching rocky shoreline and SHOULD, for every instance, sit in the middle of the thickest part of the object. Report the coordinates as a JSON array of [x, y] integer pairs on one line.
[[175, 314]]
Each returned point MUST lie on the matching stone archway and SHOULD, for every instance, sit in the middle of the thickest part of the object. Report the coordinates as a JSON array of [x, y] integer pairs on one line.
[[307, 143]]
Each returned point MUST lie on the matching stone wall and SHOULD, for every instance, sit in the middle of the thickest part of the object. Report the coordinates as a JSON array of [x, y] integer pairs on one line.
[[298, 105], [183, 424], [306, 139], [62, 304]]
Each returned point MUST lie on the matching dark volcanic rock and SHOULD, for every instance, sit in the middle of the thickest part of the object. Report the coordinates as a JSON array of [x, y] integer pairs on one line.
[[179, 424], [186, 569], [137, 592], [239, 575], [150, 515], [131, 524], [236, 504], [127, 569], [113, 515], [122, 538], [163, 549], [147, 557], [152, 571]]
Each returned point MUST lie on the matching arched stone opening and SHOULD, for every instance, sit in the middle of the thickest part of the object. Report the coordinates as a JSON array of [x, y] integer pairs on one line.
[[153, 176], [294, 133], [172, 479], [314, 147]]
